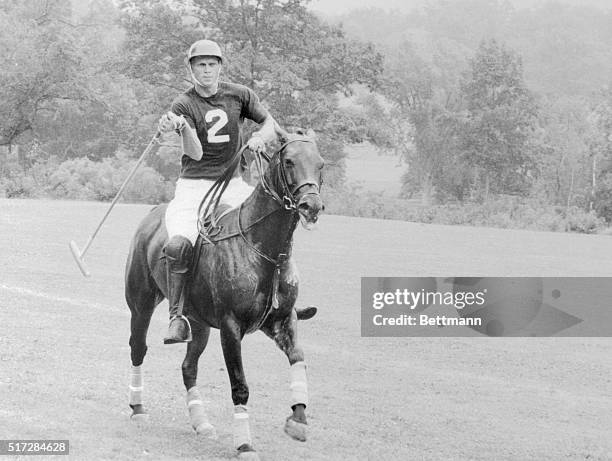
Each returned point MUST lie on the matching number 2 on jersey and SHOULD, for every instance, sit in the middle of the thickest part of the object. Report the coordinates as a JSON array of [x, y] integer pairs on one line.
[[221, 117]]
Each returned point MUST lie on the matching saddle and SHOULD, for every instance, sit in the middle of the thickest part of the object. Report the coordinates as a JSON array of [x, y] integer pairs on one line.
[[217, 225], [221, 224]]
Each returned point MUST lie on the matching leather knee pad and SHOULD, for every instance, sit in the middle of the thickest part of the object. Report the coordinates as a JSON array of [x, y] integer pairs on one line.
[[178, 252]]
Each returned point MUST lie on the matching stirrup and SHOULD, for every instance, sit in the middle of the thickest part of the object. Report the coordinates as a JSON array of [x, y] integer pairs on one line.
[[175, 339]]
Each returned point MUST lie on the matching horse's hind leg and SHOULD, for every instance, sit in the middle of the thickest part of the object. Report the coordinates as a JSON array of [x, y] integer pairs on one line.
[[284, 334], [231, 337], [195, 405]]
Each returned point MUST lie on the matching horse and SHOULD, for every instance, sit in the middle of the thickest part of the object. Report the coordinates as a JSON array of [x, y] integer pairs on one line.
[[244, 280]]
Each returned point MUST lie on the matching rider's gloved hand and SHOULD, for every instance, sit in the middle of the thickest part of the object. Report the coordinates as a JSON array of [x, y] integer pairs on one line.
[[256, 143], [171, 122]]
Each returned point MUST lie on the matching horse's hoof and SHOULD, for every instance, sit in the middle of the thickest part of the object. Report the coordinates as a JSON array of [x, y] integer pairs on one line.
[[295, 430], [305, 313], [139, 414], [247, 453], [206, 430]]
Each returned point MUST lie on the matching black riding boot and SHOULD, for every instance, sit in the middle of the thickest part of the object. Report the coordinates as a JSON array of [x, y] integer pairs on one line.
[[178, 252]]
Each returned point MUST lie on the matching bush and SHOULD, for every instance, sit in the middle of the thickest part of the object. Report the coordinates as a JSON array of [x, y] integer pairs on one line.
[[603, 197], [18, 183], [85, 179], [584, 222], [506, 212]]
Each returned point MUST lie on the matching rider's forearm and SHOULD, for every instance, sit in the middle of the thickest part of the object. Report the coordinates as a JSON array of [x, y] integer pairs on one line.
[[190, 143], [267, 132]]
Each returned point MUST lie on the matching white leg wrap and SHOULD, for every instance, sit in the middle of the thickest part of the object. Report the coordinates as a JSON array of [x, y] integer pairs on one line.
[[197, 414], [242, 432], [136, 385], [299, 384], [194, 397]]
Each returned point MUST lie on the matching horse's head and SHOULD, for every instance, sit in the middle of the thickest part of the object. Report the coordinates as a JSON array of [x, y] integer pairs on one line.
[[296, 173]]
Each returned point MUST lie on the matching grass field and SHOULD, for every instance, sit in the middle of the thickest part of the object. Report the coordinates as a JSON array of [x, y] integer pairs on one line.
[[375, 172], [64, 357]]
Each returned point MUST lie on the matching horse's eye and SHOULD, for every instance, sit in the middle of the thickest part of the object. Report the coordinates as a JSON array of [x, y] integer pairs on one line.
[[289, 163]]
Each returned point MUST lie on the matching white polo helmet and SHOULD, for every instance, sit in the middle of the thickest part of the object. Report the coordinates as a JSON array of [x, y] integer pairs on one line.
[[204, 48]]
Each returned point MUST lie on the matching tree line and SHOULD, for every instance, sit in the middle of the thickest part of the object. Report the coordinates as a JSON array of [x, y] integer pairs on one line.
[[451, 88], [482, 100], [78, 91]]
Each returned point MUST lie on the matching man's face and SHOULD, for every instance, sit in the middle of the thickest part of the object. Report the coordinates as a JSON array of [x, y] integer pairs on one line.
[[206, 70]]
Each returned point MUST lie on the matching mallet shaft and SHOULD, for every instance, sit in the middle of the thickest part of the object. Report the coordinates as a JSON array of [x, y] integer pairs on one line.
[[120, 191], [79, 255]]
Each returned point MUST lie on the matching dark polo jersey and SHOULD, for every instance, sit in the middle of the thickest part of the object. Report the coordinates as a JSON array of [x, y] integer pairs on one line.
[[218, 121]]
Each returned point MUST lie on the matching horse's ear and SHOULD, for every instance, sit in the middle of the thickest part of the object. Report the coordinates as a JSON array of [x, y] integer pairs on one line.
[[283, 136], [311, 134]]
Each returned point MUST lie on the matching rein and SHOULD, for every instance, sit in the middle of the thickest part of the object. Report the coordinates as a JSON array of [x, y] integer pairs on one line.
[[286, 202], [217, 189], [213, 196]]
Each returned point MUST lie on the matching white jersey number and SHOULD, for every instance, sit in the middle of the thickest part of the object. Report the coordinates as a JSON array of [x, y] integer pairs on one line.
[[221, 117]]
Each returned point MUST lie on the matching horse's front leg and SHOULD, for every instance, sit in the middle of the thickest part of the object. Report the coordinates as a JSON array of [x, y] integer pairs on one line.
[[195, 405], [231, 337], [284, 334], [138, 345]]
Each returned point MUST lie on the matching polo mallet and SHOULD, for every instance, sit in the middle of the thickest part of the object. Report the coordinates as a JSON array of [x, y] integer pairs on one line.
[[79, 255]]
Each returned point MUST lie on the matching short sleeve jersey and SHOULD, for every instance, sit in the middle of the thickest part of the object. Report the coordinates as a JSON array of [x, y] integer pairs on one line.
[[218, 121]]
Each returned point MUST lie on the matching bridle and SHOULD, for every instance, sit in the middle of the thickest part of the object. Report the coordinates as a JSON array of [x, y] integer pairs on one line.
[[288, 200], [290, 190]]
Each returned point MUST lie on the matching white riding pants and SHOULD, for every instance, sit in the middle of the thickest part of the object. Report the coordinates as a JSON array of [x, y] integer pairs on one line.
[[181, 214]]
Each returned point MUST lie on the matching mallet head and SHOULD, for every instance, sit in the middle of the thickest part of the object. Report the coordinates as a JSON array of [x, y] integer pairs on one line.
[[77, 257]]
